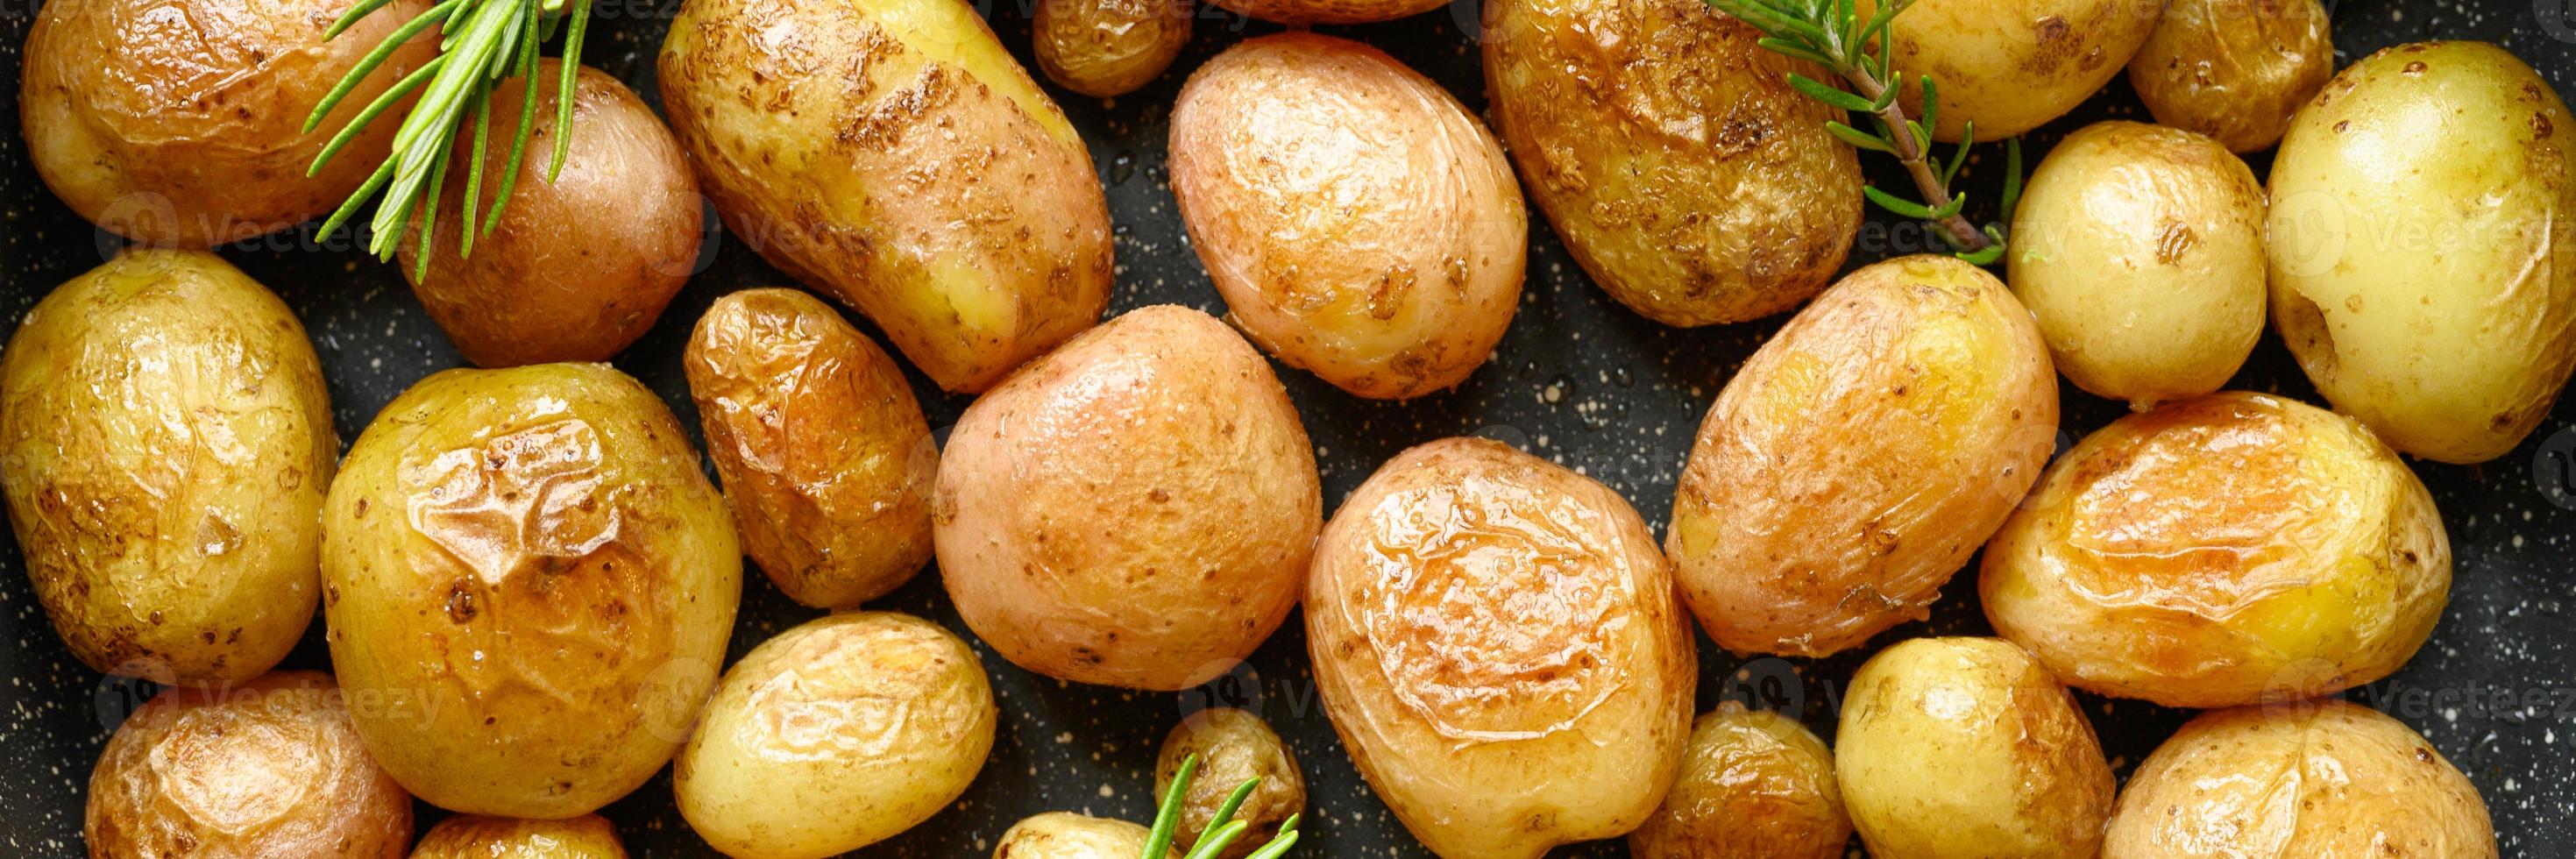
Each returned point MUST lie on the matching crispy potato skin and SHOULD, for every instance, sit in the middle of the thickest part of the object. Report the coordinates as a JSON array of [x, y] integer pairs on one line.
[[2312, 780], [578, 267], [1496, 641], [2139, 249], [884, 717], [1968, 748], [1672, 155], [2235, 70], [2423, 247], [169, 439], [1359, 222], [1859, 458], [526, 567], [1134, 509], [266, 768], [827, 461], [892, 154], [2013, 65], [185, 127], [1753, 785], [2227, 550], [1233, 747], [471, 836], [1064, 835], [1109, 48]]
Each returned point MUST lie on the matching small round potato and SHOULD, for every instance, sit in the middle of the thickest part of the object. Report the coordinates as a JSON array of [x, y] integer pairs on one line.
[[168, 440], [580, 266], [1329, 11], [527, 571], [2012, 65], [1859, 458], [1360, 223], [1962, 748], [262, 769], [1496, 641], [1109, 48], [2139, 249], [2330, 777], [1754, 785], [1134, 509], [2235, 70], [827, 461], [884, 718], [469, 836], [1064, 835], [1233, 747]]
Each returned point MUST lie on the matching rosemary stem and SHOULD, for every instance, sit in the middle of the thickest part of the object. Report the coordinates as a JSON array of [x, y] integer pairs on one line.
[[1909, 150]]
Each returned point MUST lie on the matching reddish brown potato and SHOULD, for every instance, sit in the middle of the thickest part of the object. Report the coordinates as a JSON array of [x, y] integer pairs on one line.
[[1109, 47], [1966, 748], [1329, 11], [1754, 785], [267, 768], [1233, 747], [2235, 70], [469, 836]]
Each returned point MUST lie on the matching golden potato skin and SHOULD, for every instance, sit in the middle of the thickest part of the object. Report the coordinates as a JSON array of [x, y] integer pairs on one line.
[[1754, 785], [169, 439], [1109, 48], [2139, 249], [1360, 223], [827, 461], [1496, 641], [1064, 835], [1133, 509], [1233, 746], [528, 569], [2013, 65], [470, 836], [1967, 748], [2235, 70], [891, 154], [2422, 269], [884, 717], [1859, 458], [267, 768], [2313, 780], [1669, 151], [581, 266]]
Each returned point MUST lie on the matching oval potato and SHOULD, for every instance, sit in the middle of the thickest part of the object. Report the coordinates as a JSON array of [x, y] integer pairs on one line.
[[469, 836], [266, 768], [1065, 835], [2237, 783], [2012, 65], [1109, 48], [1754, 785], [1233, 747], [2235, 70]]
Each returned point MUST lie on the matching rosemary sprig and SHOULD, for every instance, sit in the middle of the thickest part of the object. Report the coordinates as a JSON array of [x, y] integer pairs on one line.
[[1832, 34], [1222, 831]]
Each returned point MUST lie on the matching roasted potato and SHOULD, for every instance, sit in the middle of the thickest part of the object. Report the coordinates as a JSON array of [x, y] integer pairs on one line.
[[1754, 785], [1329, 11], [1683, 172], [468, 836], [2012, 65], [2314, 779], [1360, 223], [1108, 48], [183, 124], [2423, 264], [1133, 509], [526, 568], [1064, 835], [2235, 70], [1860, 457], [885, 717], [827, 461], [1496, 641], [2139, 249], [894, 156], [168, 441], [266, 768], [1967, 747], [1233, 747]]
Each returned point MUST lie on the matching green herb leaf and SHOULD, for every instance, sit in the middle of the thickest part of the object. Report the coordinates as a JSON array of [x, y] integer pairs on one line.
[[1822, 92]]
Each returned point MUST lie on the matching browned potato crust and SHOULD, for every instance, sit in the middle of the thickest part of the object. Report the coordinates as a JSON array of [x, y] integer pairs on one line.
[[1966, 748], [827, 461], [2235, 70], [264, 770], [1109, 47], [1754, 785], [470, 836], [1233, 747]]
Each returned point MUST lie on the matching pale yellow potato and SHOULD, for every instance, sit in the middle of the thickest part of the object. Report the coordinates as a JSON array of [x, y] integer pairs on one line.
[[834, 735], [262, 769], [2012, 65], [1109, 47], [1497, 643], [2139, 250], [1065, 835], [168, 440], [1859, 458], [1966, 748], [2423, 247], [531, 583], [470, 836], [1233, 747], [2235, 70], [1754, 785]]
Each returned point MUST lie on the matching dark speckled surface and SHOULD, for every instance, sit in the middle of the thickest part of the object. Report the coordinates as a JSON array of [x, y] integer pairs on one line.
[[1578, 380]]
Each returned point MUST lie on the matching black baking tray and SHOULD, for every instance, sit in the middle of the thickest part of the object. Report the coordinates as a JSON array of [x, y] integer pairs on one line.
[[1579, 380]]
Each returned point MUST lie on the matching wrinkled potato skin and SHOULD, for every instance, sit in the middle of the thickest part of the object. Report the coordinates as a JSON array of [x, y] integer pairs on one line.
[[1670, 152], [1496, 641], [1754, 785], [2013, 65], [262, 769], [1107, 48], [891, 154], [169, 439], [884, 717], [1859, 458], [827, 461], [2139, 249], [468, 836], [581, 266], [1064, 835], [1963, 748], [1233, 747], [2423, 247], [530, 572], [1133, 509], [2315, 780], [2235, 70], [188, 130], [1360, 223]]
